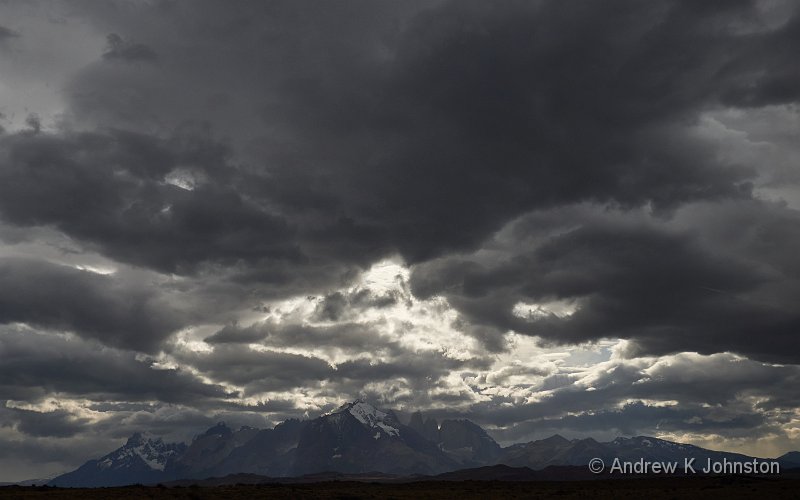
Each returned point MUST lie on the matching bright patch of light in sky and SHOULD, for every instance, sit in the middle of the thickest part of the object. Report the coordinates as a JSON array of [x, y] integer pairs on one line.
[[557, 308], [96, 269]]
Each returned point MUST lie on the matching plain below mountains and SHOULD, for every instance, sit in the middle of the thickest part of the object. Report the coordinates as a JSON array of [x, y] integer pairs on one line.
[[359, 439]]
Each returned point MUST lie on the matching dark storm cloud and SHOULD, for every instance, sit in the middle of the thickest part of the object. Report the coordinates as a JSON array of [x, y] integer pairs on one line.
[[232, 334], [109, 189], [669, 289], [91, 305], [59, 423], [485, 112], [259, 371], [421, 137], [414, 367], [6, 33], [334, 306], [352, 338], [424, 133], [777, 81], [125, 50], [37, 364]]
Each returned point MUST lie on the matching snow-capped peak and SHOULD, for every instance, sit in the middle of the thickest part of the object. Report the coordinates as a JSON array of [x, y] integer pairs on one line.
[[151, 450], [648, 442], [370, 416]]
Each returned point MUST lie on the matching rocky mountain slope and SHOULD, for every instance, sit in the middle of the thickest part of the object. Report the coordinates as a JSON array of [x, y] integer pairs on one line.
[[142, 459]]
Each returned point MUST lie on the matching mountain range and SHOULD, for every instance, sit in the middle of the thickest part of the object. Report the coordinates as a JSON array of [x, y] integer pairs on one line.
[[358, 439]]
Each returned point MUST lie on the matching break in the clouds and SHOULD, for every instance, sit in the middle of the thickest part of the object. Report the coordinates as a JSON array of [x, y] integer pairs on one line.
[[574, 217]]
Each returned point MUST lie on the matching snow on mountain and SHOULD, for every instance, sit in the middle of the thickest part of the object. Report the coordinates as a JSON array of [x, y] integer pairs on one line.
[[648, 442], [152, 451], [141, 459], [370, 416]]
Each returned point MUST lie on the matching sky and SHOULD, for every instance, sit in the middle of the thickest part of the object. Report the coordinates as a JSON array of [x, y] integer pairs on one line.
[[547, 217]]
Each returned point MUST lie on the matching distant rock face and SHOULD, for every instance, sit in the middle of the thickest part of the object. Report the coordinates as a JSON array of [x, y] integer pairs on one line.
[[270, 452], [141, 460], [462, 440], [429, 429], [357, 437], [468, 442], [208, 450]]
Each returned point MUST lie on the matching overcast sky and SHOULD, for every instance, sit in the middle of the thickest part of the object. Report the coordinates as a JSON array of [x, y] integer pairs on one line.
[[578, 217]]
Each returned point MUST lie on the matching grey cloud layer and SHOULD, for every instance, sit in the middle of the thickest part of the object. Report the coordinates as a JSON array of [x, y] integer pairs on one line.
[[421, 132], [6, 33], [38, 364], [725, 283], [93, 306], [707, 395], [108, 189], [427, 138]]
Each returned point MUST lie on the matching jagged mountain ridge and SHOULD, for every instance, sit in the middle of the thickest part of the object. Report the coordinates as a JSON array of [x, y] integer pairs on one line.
[[464, 441], [358, 438], [142, 459]]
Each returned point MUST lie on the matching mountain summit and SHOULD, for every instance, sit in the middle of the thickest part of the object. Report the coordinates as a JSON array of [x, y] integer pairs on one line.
[[384, 422], [357, 437], [142, 459], [462, 440]]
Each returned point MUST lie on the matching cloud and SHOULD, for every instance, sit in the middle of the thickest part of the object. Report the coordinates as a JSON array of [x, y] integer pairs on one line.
[[40, 364], [352, 338], [58, 423], [334, 306], [427, 138], [27, 457], [777, 80], [233, 334], [93, 306], [110, 189], [120, 49], [686, 394], [7, 33], [396, 141], [259, 371], [669, 286]]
